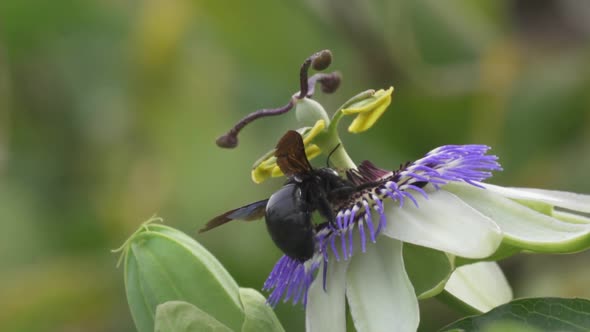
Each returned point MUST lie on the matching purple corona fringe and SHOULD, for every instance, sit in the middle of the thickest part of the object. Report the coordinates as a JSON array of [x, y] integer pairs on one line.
[[290, 279]]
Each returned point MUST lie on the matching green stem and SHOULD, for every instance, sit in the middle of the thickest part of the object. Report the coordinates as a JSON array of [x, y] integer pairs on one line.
[[330, 139], [327, 142], [339, 158]]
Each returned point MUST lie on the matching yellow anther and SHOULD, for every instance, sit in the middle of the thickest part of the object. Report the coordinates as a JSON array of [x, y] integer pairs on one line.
[[267, 167], [368, 110], [263, 171], [310, 134]]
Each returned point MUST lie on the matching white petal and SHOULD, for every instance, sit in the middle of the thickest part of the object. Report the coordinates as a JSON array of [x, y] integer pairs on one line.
[[326, 310], [564, 199], [443, 222], [522, 226], [481, 285], [380, 294]]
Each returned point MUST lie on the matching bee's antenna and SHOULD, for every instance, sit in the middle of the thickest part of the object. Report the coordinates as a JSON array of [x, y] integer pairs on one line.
[[330, 155], [328, 83]]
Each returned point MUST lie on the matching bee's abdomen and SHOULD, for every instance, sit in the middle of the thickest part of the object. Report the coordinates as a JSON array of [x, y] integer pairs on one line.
[[288, 220]]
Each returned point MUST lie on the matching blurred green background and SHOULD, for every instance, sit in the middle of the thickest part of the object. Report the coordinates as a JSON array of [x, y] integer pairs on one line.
[[109, 111]]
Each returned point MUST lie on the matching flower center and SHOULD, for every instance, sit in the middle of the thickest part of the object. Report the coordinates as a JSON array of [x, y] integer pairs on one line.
[[291, 279]]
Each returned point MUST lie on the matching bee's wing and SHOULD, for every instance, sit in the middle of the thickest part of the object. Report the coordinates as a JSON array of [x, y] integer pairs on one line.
[[291, 156], [250, 212]]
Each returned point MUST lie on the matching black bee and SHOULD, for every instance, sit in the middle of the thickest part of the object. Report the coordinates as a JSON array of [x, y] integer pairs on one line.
[[288, 211]]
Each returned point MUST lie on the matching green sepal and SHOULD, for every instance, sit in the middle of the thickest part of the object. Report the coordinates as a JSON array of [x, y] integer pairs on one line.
[[504, 251], [525, 227], [457, 304], [259, 315], [180, 316], [544, 208], [481, 286], [427, 268], [163, 264], [571, 217]]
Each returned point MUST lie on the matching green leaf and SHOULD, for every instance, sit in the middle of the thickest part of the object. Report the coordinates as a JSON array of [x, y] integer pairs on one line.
[[545, 314], [259, 315], [179, 316], [427, 268], [505, 326], [163, 264]]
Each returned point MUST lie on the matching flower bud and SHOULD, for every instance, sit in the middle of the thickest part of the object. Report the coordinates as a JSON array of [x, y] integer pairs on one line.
[[180, 316], [259, 315], [163, 264]]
